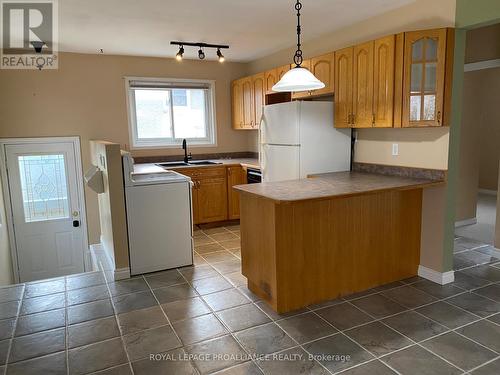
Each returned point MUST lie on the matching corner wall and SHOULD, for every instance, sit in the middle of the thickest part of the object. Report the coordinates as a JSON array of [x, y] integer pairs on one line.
[[6, 274]]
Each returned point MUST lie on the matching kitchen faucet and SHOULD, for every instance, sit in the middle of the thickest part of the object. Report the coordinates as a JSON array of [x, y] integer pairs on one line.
[[184, 147]]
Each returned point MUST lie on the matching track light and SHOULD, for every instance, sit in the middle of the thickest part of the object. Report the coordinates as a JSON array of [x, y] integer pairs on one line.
[[220, 55], [179, 54], [201, 54]]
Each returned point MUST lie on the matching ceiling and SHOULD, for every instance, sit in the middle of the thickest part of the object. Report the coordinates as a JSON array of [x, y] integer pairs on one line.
[[253, 28]]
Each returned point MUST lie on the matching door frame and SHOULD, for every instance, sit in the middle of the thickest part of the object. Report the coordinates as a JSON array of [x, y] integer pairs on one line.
[[9, 215]]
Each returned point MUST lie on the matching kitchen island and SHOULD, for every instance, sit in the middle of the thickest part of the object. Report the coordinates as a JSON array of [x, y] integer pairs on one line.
[[310, 240]]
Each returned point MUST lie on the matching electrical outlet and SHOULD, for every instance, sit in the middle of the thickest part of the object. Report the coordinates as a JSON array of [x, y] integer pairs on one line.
[[395, 149]]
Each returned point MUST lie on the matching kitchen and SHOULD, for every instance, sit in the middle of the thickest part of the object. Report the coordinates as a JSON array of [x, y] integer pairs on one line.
[[344, 247]]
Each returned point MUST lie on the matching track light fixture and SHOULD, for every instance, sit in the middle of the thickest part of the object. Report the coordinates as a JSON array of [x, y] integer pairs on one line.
[[201, 54], [179, 54], [220, 56], [201, 46]]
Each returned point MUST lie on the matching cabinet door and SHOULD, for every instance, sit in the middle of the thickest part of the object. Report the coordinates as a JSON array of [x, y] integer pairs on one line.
[[259, 98], [383, 82], [424, 77], [237, 104], [303, 94], [235, 176], [248, 97], [196, 216], [362, 102], [212, 199], [270, 78], [322, 68], [343, 87], [280, 72]]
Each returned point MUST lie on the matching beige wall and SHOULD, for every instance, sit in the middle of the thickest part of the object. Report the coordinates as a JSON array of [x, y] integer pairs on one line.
[[86, 97], [497, 226], [489, 137], [426, 148], [483, 44], [112, 216], [468, 175], [6, 276]]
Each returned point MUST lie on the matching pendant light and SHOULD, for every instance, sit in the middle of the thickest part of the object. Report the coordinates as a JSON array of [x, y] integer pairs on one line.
[[298, 78]]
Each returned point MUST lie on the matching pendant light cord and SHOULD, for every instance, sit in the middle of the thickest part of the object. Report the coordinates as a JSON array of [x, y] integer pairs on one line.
[[297, 58]]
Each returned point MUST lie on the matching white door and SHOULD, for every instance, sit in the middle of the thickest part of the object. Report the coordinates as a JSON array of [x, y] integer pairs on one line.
[[45, 204], [280, 163]]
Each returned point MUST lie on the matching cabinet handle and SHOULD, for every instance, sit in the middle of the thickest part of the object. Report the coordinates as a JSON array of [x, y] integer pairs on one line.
[[373, 119], [439, 117]]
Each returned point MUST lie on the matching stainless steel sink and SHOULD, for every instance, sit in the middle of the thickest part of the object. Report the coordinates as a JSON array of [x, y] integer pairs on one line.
[[172, 164], [203, 162]]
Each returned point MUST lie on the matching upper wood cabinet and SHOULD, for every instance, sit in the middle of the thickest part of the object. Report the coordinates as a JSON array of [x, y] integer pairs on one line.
[[259, 93], [280, 71], [322, 68], [343, 87], [383, 81], [248, 104], [237, 104], [401, 80], [425, 89], [270, 78], [248, 97], [364, 84], [362, 90]]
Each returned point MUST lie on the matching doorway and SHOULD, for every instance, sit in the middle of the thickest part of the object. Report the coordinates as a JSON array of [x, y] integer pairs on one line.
[[43, 185], [479, 154]]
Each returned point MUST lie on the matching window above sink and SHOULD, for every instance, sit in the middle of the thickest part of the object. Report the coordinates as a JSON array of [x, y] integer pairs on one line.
[[162, 112]]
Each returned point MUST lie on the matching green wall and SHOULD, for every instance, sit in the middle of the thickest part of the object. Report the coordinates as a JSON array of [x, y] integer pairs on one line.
[[470, 14]]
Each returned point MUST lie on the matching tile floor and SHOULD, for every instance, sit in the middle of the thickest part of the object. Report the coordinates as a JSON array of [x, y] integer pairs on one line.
[[202, 319]]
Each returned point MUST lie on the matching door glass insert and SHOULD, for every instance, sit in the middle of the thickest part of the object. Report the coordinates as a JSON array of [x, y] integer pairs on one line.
[[423, 79], [44, 187]]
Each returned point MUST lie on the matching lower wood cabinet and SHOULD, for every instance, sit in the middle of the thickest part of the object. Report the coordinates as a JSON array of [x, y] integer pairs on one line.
[[213, 196], [236, 175]]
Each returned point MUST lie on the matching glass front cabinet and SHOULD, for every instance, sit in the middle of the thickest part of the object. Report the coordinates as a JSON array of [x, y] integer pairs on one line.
[[427, 75]]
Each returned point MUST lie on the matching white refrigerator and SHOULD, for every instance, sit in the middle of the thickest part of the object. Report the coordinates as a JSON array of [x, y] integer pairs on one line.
[[298, 139]]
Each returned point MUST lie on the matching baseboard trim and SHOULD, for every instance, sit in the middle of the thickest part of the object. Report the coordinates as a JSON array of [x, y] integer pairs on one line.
[[463, 223], [435, 276], [488, 192], [122, 273]]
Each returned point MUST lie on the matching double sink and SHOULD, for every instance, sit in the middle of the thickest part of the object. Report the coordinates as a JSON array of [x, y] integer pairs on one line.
[[183, 164]]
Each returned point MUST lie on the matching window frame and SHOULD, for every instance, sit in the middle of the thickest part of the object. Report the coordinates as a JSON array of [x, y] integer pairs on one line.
[[159, 143]]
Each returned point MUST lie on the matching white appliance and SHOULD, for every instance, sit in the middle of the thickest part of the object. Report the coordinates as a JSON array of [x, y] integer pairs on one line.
[[159, 219], [298, 139]]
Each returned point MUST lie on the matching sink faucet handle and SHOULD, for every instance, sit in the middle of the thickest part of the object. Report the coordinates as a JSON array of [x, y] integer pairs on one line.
[[190, 156]]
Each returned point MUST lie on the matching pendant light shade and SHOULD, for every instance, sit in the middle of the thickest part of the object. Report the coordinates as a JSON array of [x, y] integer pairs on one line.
[[298, 79]]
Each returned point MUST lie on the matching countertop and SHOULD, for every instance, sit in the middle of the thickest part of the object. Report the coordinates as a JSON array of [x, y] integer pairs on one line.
[[145, 168], [337, 184]]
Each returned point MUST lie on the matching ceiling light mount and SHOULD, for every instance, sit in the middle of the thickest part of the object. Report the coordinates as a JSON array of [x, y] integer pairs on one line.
[[201, 46], [298, 78]]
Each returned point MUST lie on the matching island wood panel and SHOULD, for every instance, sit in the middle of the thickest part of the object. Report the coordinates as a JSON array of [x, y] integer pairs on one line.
[[258, 240], [324, 249]]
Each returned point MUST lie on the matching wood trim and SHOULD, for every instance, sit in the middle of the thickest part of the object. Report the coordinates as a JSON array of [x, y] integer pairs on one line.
[[448, 76], [398, 80]]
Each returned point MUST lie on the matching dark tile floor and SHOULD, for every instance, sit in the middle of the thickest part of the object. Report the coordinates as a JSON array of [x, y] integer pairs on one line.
[[203, 319]]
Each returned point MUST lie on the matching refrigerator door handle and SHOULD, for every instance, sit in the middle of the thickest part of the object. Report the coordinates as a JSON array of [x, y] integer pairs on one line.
[[281, 144]]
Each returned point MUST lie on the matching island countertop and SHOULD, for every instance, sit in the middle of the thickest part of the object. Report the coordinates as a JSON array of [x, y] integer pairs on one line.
[[335, 184]]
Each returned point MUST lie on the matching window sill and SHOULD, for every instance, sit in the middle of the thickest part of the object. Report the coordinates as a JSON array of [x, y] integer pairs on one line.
[[158, 146]]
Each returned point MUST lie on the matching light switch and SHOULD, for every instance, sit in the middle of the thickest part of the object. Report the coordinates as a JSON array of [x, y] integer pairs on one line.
[[395, 149]]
